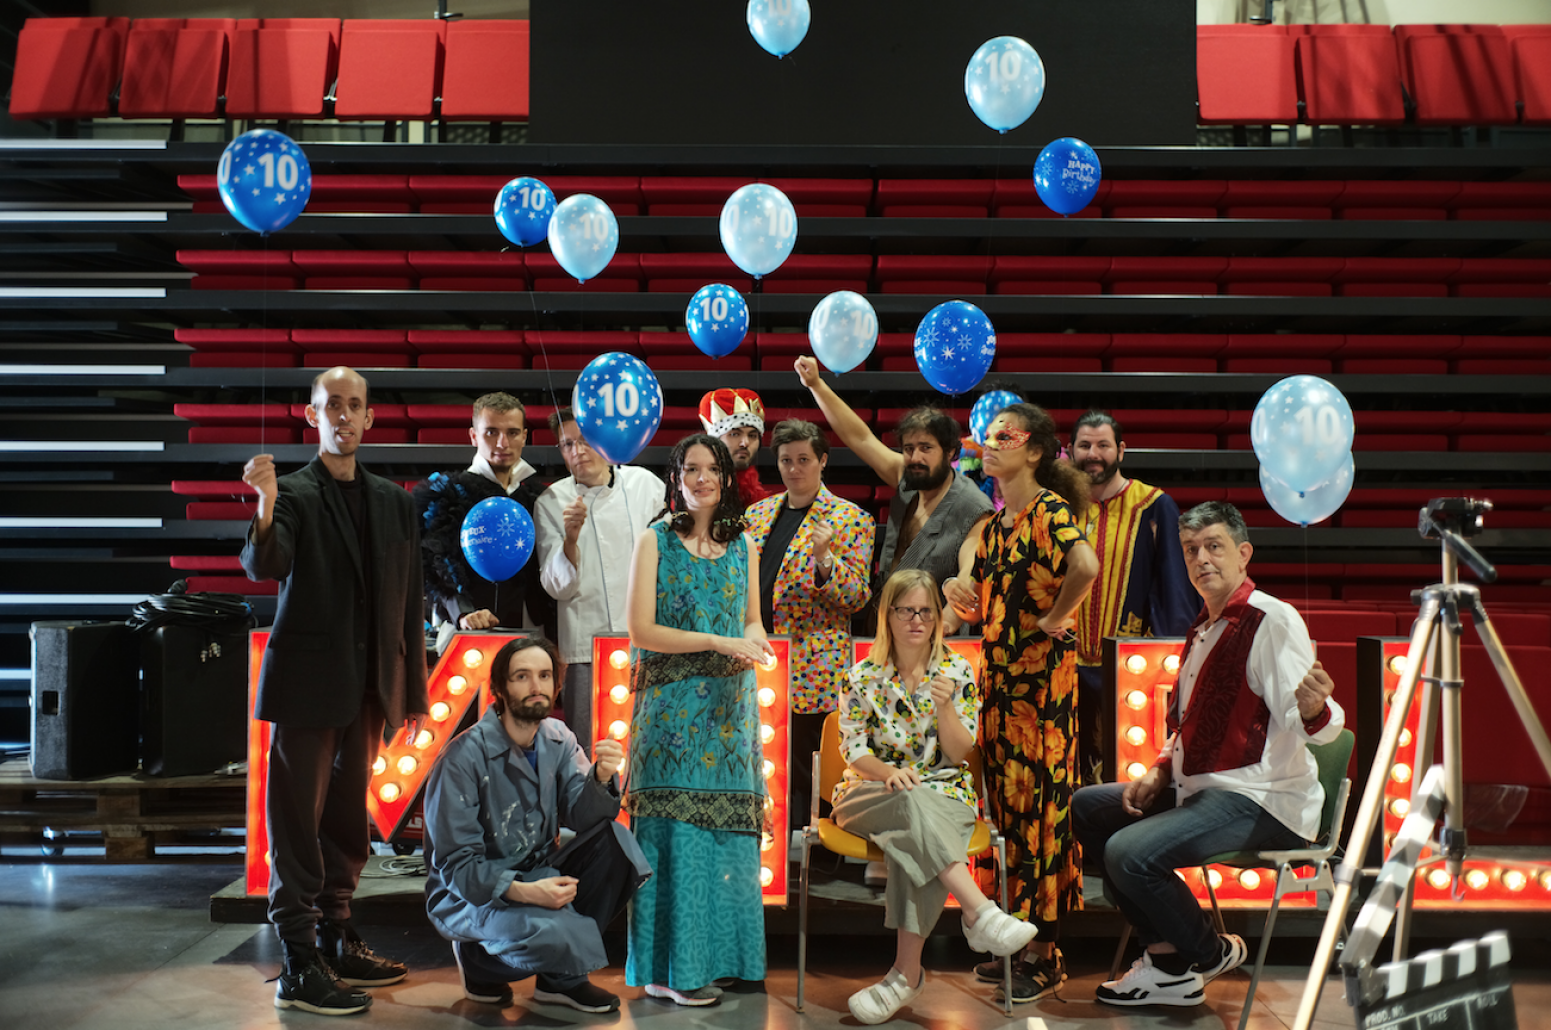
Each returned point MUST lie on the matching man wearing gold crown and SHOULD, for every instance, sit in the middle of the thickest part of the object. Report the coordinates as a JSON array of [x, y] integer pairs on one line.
[[737, 418]]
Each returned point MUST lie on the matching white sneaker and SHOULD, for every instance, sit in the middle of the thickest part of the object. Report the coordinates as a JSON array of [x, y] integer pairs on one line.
[[706, 995], [878, 1003], [1234, 952], [997, 932], [1146, 984]]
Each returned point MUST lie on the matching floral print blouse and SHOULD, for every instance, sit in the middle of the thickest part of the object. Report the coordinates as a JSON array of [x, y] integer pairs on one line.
[[879, 718]]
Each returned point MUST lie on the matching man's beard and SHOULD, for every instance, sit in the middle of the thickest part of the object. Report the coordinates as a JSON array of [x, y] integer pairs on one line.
[[1103, 475], [928, 478], [536, 710], [741, 460]]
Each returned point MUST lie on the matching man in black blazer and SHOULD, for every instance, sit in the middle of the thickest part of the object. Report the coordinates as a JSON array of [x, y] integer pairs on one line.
[[346, 655]]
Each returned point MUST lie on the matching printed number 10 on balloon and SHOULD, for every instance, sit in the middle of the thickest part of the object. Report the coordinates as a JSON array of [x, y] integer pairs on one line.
[[1318, 425], [713, 309], [621, 400], [285, 170], [858, 324], [1004, 68], [781, 224]]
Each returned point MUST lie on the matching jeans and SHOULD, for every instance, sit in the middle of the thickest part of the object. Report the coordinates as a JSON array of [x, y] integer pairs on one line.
[[1140, 854]]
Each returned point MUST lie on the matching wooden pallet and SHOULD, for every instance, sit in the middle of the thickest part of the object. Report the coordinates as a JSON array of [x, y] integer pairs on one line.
[[129, 811]]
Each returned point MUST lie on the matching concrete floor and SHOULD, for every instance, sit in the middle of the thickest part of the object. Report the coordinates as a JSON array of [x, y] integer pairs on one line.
[[131, 947]]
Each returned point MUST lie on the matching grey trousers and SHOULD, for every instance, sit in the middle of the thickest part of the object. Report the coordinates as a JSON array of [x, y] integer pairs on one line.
[[920, 833], [576, 700]]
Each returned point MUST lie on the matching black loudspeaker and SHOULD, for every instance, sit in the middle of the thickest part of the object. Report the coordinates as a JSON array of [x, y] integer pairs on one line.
[[85, 700], [194, 711]]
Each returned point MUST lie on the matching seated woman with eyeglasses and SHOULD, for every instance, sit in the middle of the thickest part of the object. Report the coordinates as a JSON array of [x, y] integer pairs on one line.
[[907, 724]]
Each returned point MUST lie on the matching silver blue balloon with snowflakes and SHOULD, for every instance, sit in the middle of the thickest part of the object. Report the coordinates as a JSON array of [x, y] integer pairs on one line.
[[955, 344], [985, 411], [497, 538], [618, 406], [264, 180]]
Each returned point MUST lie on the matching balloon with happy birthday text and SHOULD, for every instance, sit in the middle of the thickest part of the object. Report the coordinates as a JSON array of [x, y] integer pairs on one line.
[[497, 538], [1066, 175]]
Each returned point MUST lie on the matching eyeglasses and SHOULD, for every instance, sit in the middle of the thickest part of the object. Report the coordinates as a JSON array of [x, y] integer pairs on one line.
[[1007, 439], [570, 444], [904, 614]]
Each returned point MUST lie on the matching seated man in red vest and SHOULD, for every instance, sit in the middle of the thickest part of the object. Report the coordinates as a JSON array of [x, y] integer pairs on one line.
[[1236, 773]]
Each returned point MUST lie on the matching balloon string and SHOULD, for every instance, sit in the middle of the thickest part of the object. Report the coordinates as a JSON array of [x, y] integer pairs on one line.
[[263, 340], [549, 374]]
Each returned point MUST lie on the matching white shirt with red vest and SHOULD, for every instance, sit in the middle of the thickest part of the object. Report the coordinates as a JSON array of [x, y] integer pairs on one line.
[[1254, 744]]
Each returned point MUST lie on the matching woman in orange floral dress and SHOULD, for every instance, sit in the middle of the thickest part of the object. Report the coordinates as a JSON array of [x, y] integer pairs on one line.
[[1024, 576]]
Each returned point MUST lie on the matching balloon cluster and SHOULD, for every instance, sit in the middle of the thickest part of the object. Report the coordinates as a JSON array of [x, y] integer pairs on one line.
[[1302, 433]]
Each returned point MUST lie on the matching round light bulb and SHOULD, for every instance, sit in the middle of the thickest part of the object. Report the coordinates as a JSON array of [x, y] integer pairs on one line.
[[473, 658], [1401, 773], [619, 658], [1136, 699], [440, 711], [766, 842], [389, 792], [1136, 664], [766, 877], [1397, 664], [457, 685], [1438, 879], [619, 729], [1171, 663], [1515, 879], [769, 663], [619, 693], [769, 768], [1477, 879], [766, 733], [1136, 770], [1249, 879], [1545, 879], [766, 697], [407, 765], [425, 740], [1399, 807], [1214, 878], [380, 766], [1136, 736], [1405, 737]]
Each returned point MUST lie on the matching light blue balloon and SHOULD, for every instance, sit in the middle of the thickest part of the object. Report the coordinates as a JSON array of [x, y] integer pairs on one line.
[[264, 180], [779, 25], [843, 330], [1309, 506], [583, 235], [955, 343], [1004, 82], [1302, 431], [717, 319], [523, 209], [1066, 175], [759, 226], [497, 538], [986, 409], [618, 405]]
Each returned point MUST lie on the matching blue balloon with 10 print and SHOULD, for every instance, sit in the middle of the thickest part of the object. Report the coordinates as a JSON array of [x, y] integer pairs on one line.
[[955, 343], [618, 405], [985, 411], [523, 209], [497, 538], [717, 319], [264, 180]]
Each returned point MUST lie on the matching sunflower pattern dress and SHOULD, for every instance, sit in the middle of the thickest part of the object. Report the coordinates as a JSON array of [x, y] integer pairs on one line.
[[1028, 721], [696, 787]]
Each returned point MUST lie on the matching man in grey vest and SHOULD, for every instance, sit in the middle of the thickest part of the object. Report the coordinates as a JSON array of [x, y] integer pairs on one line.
[[935, 508]]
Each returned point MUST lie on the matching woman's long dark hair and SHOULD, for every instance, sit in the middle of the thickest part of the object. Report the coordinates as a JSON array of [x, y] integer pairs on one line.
[[727, 520], [1053, 473]]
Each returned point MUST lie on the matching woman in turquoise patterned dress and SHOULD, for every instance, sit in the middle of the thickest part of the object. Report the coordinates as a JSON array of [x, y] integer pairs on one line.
[[696, 791]]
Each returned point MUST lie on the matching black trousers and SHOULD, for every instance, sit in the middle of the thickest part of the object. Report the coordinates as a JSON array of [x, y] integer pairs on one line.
[[1092, 725], [315, 808], [806, 731]]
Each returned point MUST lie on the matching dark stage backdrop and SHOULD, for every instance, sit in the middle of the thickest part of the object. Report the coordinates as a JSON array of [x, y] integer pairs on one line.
[[882, 72]]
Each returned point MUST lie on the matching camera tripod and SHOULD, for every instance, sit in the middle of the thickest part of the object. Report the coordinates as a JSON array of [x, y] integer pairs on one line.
[[1435, 636]]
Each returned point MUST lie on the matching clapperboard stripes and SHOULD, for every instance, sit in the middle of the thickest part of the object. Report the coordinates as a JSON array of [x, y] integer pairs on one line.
[[1379, 910], [1466, 987]]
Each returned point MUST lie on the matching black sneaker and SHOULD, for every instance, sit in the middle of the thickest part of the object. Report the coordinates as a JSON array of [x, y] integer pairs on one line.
[[1034, 979], [991, 972], [486, 992], [584, 997], [352, 961], [308, 984]]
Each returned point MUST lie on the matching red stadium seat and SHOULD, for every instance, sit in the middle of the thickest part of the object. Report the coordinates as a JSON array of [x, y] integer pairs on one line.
[[1350, 79], [469, 270], [1163, 198], [623, 275], [1395, 277], [367, 348], [827, 198], [1252, 198], [688, 195], [281, 72], [466, 348], [354, 269], [1172, 275], [1460, 78], [934, 198], [389, 68], [1246, 78], [686, 273], [475, 194], [1281, 277], [676, 351], [486, 73], [820, 273], [65, 71], [239, 423], [1388, 199], [933, 274], [174, 72], [1018, 198], [1532, 76]]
